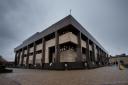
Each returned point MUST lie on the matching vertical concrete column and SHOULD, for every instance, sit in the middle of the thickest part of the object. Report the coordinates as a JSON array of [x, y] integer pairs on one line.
[[57, 48], [27, 59], [43, 52], [79, 52], [97, 52], [16, 58], [87, 50], [22, 57], [101, 56], [107, 58], [93, 51], [19, 57], [98, 57], [34, 52]]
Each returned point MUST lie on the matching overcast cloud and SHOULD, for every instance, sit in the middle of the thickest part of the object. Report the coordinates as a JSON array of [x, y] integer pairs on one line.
[[106, 20]]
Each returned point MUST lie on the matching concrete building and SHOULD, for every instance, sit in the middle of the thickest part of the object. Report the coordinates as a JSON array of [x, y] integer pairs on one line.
[[123, 59], [65, 44]]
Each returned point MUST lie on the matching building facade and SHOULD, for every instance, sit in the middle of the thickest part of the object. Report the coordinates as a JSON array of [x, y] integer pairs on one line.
[[64, 45], [123, 59]]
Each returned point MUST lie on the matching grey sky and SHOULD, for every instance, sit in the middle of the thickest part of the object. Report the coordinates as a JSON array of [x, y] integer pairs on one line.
[[106, 20]]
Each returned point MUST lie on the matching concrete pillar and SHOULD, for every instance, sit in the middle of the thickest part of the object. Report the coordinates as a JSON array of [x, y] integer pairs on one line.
[[87, 50], [98, 57], [103, 59], [79, 49], [93, 52], [107, 58], [34, 52], [101, 56], [27, 59], [16, 58], [43, 52], [87, 53], [22, 57], [57, 48]]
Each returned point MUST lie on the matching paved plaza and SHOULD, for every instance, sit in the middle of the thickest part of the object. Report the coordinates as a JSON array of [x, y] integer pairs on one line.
[[100, 76]]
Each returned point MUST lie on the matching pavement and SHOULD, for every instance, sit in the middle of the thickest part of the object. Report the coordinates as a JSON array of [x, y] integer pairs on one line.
[[110, 75]]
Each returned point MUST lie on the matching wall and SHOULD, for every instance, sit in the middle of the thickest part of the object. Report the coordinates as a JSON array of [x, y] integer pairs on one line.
[[68, 37], [83, 43], [90, 47], [31, 49], [95, 52], [39, 46], [20, 57], [30, 61], [68, 56], [38, 58], [24, 61], [48, 44]]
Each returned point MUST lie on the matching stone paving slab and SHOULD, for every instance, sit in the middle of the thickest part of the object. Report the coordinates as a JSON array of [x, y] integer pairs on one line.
[[100, 76]]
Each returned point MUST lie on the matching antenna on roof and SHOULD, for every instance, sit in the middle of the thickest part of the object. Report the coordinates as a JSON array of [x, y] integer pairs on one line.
[[70, 11]]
